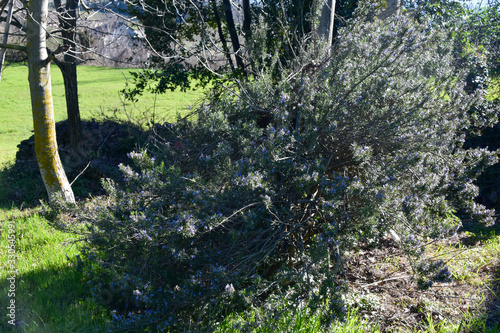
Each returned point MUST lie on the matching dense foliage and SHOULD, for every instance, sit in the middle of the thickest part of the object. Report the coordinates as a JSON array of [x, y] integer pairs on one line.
[[483, 29], [189, 47], [251, 204]]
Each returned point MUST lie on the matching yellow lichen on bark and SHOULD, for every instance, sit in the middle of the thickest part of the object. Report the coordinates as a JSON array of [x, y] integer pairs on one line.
[[49, 162]]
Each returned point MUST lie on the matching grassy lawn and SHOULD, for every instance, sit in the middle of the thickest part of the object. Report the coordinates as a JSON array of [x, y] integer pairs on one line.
[[98, 91]]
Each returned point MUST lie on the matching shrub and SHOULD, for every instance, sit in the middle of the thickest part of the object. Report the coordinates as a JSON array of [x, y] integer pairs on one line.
[[252, 205]]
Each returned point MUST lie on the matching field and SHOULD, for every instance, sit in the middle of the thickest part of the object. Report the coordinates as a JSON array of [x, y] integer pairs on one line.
[[98, 91], [50, 294]]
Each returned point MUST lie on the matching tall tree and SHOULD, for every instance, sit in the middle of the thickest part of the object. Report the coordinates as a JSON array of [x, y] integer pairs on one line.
[[228, 11], [39, 59], [247, 20], [327, 20], [222, 38], [67, 16], [392, 8]]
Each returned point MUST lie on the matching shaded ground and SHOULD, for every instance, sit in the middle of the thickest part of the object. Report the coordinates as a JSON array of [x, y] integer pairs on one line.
[[106, 143], [381, 286], [492, 303]]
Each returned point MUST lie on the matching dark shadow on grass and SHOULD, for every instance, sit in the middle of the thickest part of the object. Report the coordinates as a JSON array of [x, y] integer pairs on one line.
[[478, 232], [492, 303], [52, 300], [107, 144], [477, 235]]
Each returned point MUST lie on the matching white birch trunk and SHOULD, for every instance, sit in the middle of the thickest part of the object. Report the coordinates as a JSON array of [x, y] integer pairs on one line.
[[49, 162]]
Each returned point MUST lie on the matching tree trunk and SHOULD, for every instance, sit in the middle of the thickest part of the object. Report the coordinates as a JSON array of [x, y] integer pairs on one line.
[[68, 70], [326, 21], [49, 163], [234, 35], [247, 20], [392, 9], [67, 22], [6, 35], [221, 35]]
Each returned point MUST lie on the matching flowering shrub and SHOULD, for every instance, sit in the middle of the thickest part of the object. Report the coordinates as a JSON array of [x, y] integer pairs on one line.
[[252, 205]]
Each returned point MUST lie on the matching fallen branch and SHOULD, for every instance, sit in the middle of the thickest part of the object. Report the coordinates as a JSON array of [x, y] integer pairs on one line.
[[81, 173], [381, 281]]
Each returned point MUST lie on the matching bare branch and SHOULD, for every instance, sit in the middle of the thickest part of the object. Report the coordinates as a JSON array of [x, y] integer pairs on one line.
[[3, 4], [12, 47], [15, 22]]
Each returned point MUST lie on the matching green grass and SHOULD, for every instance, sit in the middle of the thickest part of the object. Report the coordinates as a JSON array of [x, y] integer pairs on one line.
[[301, 321], [98, 91], [49, 294]]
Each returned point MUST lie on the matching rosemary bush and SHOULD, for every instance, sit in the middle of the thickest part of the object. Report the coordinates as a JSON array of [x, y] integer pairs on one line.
[[251, 205]]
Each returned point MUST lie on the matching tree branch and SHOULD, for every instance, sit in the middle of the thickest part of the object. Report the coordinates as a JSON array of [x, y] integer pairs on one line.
[[52, 54], [12, 47], [15, 22], [3, 4]]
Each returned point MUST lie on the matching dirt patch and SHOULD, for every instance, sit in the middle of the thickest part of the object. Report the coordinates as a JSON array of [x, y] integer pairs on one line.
[[382, 287], [492, 302]]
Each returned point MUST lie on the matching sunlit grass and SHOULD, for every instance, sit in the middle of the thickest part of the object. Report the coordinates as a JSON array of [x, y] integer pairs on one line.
[[468, 264], [98, 91], [299, 321], [494, 89], [49, 292]]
